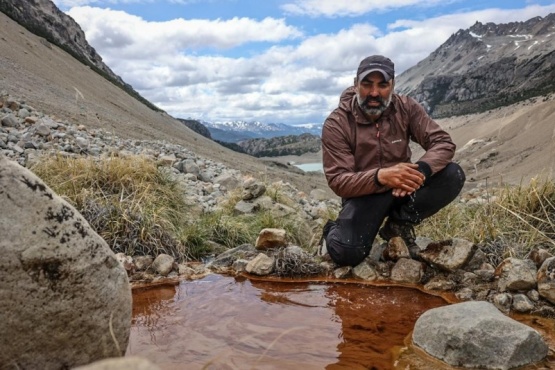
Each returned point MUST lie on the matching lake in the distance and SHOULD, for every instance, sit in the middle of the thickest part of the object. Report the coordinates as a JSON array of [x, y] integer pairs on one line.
[[309, 167]]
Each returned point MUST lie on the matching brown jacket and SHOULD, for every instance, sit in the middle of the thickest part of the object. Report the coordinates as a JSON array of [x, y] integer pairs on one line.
[[354, 148]]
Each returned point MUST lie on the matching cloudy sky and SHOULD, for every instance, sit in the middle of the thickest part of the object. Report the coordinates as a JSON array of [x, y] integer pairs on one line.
[[270, 60]]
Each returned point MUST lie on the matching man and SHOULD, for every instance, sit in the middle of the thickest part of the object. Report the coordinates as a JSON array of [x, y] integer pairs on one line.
[[367, 162]]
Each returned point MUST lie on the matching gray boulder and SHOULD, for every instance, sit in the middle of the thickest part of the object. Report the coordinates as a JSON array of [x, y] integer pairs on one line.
[[65, 299], [476, 334]]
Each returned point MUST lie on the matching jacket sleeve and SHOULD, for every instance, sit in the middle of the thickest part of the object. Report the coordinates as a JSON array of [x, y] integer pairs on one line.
[[437, 143], [339, 163]]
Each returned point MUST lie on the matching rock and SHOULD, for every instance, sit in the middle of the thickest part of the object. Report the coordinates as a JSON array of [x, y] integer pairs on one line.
[[126, 262], [65, 299], [539, 255], [449, 255], [226, 259], [476, 334], [477, 260], [516, 274], [364, 271], [271, 238], [242, 208], [395, 249], [407, 271], [319, 194], [240, 265], [252, 189], [342, 272], [522, 303], [163, 264], [465, 294], [228, 179], [503, 301], [440, 282], [9, 120], [143, 262], [127, 363], [546, 280], [261, 265]]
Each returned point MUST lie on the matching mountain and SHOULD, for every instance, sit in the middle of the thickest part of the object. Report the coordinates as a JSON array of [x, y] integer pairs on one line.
[[485, 67], [53, 81], [196, 126], [235, 131], [282, 145], [43, 18]]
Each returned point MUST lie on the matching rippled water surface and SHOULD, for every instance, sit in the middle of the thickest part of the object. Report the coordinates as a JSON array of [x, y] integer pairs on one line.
[[222, 322]]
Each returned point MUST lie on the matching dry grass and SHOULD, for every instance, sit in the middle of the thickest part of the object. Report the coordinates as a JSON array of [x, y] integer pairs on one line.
[[510, 224], [140, 210]]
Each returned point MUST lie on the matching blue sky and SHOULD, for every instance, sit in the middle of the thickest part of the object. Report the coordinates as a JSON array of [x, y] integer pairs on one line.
[[269, 60]]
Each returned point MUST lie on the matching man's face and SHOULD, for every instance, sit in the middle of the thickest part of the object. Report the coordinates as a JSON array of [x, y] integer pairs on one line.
[[374, 94]]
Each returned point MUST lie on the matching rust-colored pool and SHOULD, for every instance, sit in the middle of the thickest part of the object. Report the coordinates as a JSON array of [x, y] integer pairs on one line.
[[222, 322]]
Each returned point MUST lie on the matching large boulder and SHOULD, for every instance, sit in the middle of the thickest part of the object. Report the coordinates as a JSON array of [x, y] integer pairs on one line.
[[64, 298], [476, 334]]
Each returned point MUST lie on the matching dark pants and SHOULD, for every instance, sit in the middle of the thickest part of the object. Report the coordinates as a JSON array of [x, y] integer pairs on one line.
[[350, 237]]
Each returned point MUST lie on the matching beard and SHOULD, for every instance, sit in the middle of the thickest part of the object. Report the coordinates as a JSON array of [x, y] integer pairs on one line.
[[373, 111]]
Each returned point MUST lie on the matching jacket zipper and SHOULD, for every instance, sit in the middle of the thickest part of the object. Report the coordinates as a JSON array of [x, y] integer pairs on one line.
[[379, 144]]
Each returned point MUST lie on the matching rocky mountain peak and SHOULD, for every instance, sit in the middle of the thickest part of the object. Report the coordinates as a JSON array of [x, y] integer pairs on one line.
[[484, 67]]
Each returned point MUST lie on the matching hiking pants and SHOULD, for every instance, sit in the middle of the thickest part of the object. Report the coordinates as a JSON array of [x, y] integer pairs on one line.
[[350, 237]]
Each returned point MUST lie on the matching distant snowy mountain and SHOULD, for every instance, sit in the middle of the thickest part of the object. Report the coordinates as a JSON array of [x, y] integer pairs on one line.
[[235, 131]]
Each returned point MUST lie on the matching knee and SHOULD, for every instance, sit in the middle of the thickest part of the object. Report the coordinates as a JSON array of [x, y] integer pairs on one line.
[[455, 174]]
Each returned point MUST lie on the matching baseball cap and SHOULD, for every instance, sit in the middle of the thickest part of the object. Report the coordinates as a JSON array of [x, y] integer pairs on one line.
[[376, 63]]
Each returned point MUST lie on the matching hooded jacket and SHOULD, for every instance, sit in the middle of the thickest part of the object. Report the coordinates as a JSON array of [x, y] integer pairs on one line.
[[354, 148]]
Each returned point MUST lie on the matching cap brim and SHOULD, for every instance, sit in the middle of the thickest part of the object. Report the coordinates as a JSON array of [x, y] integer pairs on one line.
[[386, 76]]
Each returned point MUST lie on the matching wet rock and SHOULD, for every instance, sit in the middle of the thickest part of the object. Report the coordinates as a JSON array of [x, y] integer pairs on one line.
[[364, 271], [449, 255], [342, 272], [395, 249], [476, 334], [55, 301], [240, 265], [546, 280], [407, 271], [261, 265], [440, 282], [516, 274], [163, 264], [271, 238]]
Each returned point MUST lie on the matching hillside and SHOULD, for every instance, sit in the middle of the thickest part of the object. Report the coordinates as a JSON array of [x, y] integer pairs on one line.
[[51, 80]]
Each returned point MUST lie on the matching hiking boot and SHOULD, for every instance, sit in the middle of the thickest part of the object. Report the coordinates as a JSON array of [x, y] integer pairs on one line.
[[405, 231]]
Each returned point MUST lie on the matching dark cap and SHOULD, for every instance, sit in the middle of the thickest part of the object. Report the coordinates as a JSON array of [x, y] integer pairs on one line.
[[376, 63]]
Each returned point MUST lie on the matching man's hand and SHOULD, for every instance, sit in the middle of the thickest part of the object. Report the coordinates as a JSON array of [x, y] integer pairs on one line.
[[403, 178]]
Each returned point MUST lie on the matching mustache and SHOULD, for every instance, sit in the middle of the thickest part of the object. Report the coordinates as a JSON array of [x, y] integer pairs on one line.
[[371, 99]]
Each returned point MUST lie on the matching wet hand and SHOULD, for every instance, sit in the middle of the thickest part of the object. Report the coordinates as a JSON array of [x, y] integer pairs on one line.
[[403, 178]]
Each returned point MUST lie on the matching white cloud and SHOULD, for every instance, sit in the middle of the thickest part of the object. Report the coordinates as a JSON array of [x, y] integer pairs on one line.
[[335, 8], [169, 64]]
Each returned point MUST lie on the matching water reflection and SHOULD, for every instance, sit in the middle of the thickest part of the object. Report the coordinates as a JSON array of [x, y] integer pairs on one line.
[[225, 323]]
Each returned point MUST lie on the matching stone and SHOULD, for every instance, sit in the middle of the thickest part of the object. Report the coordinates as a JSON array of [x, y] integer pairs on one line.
[[342, 272], [539, 255], [163, 264], [261, 265], [240, 265], [476, 334], [143, 262], [440, 282], [449, 255], [546, 280], [407, 271], [242, 208], [271, 238], [226, 259], [126, 262], [65, 299], [228, 179], [9, 120], [364, 271], [503, 301], [477, 260], [522, 303], [253, 189], [516, 274], [465, 294], [395, 249], [319, 194]]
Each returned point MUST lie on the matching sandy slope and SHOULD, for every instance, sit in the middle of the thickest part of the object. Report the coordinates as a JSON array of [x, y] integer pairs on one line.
[[511, 144]]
